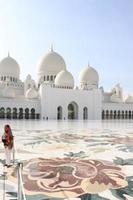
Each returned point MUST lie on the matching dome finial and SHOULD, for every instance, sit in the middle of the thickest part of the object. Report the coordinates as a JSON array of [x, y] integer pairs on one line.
[[51, 47]]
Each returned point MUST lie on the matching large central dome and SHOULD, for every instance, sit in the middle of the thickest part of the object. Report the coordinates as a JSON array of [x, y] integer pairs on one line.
[[9, 67], [51, 64]]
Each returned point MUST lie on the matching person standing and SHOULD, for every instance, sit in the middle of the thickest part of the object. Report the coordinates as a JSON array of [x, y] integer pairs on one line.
[[7, 139]]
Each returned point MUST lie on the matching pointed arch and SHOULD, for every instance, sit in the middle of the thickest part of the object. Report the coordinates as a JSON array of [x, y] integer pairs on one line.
[[85, 113], [59, 112], [72, 110]]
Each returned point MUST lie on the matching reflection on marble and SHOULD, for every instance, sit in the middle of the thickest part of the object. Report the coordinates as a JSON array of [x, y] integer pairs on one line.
[[90, 160]]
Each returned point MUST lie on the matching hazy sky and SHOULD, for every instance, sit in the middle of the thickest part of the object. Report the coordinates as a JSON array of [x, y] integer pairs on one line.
[[96, 31]]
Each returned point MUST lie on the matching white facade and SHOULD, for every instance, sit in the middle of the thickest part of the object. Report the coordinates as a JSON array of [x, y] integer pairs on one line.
[[52, 98], [55, 96], [115, 105]]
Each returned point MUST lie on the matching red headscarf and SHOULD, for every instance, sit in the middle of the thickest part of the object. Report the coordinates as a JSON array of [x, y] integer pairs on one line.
[[8, 135]]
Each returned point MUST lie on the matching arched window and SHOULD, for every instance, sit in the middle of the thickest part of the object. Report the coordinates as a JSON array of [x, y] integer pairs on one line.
[[44, 78], [27, 110], [59, 112], [8, 113], [130, 114], [32, 113], [85, 113], [51, 78], [21, 110], [14, 113], [73, 111], [126, 114], [32, 110], [107, 114], [119, 113], [122, 114], [114, 114], [47, 78], [20, 114], [103, 114], [2, 113], [111, 114], [27, 113]]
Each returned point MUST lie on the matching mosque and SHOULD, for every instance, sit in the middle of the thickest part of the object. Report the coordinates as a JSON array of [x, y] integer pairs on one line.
[[55, 95]]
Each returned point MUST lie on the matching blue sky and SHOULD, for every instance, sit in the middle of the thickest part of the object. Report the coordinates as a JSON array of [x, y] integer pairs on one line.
[[96, 31]]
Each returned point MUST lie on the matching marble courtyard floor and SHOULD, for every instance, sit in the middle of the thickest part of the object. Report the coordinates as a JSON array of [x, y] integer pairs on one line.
[[90, 160]]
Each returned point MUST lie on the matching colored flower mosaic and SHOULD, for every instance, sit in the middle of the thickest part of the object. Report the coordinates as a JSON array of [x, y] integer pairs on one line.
[[69, 177]]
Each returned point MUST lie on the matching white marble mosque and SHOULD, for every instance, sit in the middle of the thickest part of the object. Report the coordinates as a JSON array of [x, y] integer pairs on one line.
[[55, 95]]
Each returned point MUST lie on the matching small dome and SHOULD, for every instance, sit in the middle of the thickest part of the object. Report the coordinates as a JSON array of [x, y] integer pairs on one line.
[[115, 98], [64, 79], [51, 64], [8, 92], [89, 76], [31, 94], [9, 66], [129, 99]]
